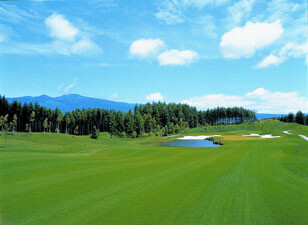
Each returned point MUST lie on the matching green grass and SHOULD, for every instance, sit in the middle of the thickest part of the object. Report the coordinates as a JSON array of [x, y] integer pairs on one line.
[[60, 179]]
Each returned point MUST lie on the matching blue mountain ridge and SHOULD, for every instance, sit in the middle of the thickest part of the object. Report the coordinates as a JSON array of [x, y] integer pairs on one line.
[[73, 101]]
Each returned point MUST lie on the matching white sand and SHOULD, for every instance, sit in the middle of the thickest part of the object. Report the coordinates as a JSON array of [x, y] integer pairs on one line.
[[261, 136], [286, 132], [252, 135], [303, 136], [201, 137], [269, 136]]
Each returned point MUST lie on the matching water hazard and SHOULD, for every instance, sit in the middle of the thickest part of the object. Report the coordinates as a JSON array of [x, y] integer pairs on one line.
[[191, 143]]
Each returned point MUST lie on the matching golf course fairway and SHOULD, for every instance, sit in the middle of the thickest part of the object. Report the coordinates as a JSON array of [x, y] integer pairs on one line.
[[60, 179]]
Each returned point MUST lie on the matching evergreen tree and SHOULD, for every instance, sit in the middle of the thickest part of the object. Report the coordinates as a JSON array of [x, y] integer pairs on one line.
[[14, 123], [290, 118], [67, 122], [139, 124], [300, 119], [129, 123], [76, 130], [112, 125], [45, 124], [31, 120], [95, 132], [120, 122], [2, 122]]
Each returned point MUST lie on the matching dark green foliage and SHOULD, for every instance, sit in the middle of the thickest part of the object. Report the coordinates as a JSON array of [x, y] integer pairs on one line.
[[95, 133], [299, 118], [156, 118]]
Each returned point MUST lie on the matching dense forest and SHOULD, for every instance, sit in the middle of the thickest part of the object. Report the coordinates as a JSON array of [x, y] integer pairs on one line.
[[299, 118], [160, 119]]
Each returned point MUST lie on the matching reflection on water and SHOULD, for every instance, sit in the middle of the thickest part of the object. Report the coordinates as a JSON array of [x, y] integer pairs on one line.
[[191, 143]]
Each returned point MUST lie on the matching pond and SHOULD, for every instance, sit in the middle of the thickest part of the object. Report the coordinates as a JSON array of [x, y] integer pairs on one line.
[[191, 143]]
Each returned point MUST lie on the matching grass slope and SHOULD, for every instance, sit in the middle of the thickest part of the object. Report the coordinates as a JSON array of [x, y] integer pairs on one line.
[[62, 179]]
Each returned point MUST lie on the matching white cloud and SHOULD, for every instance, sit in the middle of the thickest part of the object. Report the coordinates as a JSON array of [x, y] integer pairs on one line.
[[155, 97], [261, 100], [176, 57], [269, 60], [67, 40], [257, 93], [66, 89], [214, 100], [173, 11], [244, 41], [145, 47], [84, 46], [238, 10], [70, 86], [114, 96], [287, 51], [169, 12], [61, 28], [206, 26]]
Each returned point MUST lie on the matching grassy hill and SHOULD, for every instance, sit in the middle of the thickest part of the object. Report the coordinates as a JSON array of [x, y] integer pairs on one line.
[[60, 179]]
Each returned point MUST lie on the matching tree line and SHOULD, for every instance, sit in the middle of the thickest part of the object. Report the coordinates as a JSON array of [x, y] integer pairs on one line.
[[159, 119], [299, 118]]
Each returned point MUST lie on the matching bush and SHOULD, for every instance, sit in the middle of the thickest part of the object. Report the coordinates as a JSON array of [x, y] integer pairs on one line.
[[218, 142], [95, 133], [122, 134], [134, 134]]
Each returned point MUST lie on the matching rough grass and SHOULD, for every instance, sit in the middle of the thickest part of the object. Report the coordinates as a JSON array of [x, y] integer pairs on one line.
[[62, 179]]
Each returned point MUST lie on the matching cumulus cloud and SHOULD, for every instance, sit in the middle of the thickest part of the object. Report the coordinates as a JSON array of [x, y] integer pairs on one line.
[[214, 100], [289, 50], [244, 41], [145, 47], [155, 97], [260, 99], [177, 57], [61, 28], [67, 39]]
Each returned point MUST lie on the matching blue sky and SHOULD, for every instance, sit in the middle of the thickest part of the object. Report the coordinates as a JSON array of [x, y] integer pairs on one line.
[[206, 53]]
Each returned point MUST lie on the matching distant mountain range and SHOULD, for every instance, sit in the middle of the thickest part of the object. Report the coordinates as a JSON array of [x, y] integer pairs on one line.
[[74, 101], [261, 116]]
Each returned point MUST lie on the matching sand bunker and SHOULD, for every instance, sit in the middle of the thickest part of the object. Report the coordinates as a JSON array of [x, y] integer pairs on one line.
[[261, 136], [286, 132], [202, 137]]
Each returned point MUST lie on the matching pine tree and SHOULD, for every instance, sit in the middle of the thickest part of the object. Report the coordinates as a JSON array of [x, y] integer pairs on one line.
[[2, 122], [112, 123], [32, 118], [95, 133], [14, 123], [300, 119], [45, 124], [129, 123], [59, 120], [67, 122], [139, 124], [76, 130]]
